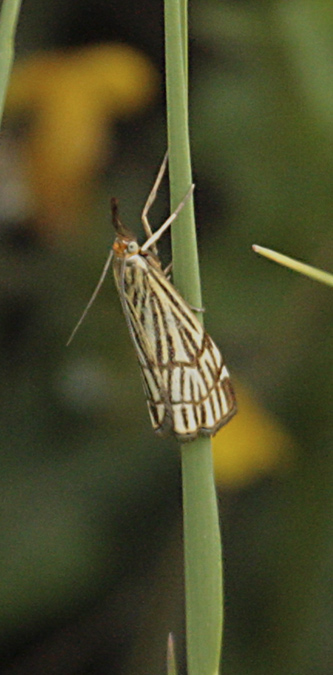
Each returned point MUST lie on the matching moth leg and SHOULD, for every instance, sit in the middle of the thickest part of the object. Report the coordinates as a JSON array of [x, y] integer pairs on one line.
[[168, 270], [150, 243], [151, 198], [197, 309]]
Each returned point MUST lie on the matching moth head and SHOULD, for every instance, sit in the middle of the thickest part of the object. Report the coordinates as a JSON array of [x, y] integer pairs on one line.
[[125, 243], [124, 247]]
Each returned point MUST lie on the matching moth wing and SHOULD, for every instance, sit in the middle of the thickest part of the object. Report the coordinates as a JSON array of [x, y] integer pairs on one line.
[[156, 395], [195, 378], [186, 382]]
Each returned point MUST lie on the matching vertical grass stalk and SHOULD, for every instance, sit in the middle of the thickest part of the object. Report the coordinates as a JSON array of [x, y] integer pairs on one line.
[[9, 14], [202, 541]]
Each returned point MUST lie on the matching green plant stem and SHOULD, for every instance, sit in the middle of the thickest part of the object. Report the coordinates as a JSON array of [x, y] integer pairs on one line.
[[185, 261], [295, 265], [202, 542], [203, 562], [8, 21]]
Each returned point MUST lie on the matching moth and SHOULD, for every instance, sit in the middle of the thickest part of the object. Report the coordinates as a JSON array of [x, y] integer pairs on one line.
[[186, 382]]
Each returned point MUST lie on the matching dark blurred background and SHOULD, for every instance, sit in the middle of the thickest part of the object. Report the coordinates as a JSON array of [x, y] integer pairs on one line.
[[91, 535]]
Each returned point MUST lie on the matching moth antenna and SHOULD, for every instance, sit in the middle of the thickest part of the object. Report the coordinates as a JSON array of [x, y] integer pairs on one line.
[[94, 295]]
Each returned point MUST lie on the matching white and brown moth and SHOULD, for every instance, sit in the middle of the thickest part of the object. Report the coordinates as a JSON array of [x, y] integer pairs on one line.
[[186, 382]]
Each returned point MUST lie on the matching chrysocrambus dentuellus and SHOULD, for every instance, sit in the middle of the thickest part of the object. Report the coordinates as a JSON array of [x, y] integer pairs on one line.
[[186, 383]]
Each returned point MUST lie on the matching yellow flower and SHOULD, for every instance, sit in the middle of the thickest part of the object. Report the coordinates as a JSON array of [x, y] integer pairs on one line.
[[74, 97], [252, 445]]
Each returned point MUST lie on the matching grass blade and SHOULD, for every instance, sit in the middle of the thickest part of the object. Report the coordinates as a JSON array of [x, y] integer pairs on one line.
[[296, 265], [202, 542]]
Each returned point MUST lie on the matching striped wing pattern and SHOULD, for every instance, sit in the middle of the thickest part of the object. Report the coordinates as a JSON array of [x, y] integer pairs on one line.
[[187, 385]]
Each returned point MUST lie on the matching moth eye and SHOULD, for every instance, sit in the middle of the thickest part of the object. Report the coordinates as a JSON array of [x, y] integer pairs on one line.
[[132, 247]]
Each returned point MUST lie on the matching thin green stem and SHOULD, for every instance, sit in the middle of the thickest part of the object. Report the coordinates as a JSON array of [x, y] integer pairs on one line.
[[202, 542], [8, 21], [203, 561], [184, 250], [296, 265]]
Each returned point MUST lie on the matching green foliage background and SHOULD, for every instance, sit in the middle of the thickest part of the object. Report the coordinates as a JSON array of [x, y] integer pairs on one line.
[[91, 568]]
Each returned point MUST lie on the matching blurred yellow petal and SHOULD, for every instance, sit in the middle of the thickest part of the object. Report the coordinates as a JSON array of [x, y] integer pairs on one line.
[[252, 445], [74, 97]]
